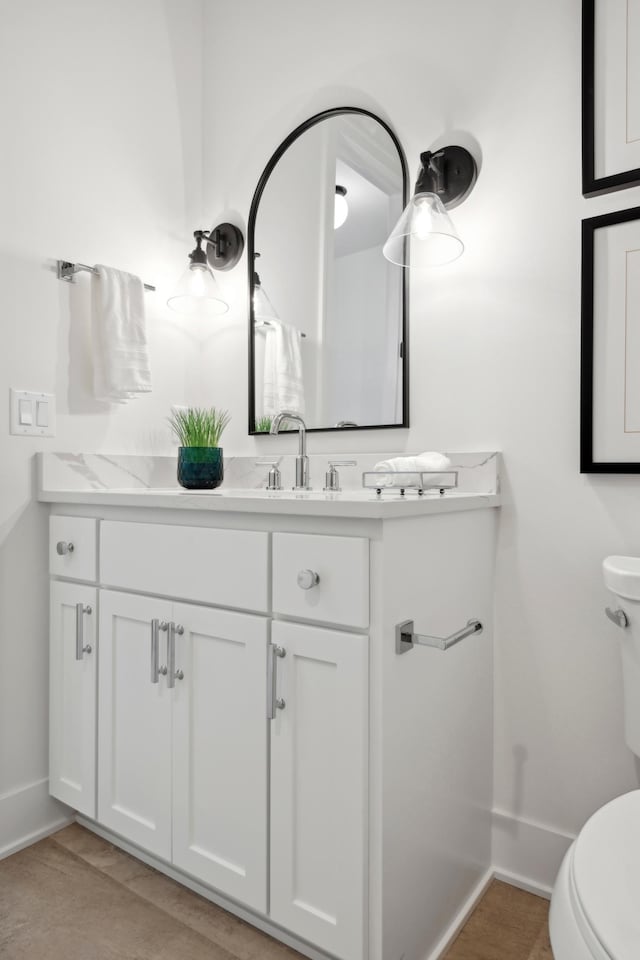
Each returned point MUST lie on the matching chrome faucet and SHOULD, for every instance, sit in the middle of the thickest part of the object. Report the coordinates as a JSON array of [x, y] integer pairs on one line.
[[302, 460]]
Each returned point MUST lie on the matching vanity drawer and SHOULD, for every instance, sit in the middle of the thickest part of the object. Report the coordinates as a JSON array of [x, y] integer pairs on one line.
[[73, 548], [220, 567], [321, 578]]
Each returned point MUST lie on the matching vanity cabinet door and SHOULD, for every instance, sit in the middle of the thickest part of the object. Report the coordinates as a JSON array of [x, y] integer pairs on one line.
[[220, 751], [319, 788], [134, 726], [72, 696]]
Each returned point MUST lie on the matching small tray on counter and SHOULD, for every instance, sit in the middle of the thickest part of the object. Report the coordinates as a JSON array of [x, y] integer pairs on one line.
[[389, 481]]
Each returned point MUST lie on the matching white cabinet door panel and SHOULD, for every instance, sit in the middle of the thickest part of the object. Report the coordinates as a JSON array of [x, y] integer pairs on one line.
[[72, 698], [220, 752], [319, 788], [134, 730]]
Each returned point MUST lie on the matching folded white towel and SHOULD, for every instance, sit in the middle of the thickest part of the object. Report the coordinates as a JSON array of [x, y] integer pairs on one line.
[[120, 355], [430, 460], [283, 380]]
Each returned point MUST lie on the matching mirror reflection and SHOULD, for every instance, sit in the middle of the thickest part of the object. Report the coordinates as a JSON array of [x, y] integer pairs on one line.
[[327, 319]]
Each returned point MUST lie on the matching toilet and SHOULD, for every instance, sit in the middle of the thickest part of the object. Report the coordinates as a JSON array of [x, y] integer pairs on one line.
[[595, 906]]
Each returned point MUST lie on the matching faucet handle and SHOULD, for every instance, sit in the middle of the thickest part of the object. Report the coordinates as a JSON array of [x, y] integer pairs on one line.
[[274, 479], [332, 477]]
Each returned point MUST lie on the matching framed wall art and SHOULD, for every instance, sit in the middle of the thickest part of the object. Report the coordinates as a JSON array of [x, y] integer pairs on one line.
[[610, 95], [610, 354]]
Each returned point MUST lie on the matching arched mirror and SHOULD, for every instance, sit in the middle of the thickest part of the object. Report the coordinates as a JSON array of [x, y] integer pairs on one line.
[[327, 321]]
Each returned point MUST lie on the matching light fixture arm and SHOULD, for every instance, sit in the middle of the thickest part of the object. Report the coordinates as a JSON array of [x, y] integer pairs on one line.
[[450, 173], [197, 256]]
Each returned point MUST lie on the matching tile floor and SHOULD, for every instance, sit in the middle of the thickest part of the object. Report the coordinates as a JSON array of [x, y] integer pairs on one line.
[[74, 896]]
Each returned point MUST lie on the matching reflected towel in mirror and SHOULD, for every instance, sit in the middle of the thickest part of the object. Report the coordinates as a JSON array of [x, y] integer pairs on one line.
[[283, 382]]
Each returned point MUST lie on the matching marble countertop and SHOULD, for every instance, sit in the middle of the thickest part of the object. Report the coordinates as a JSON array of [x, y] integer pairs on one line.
[[146, 482]]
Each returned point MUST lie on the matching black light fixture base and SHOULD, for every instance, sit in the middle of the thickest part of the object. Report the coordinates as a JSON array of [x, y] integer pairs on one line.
[[449, 172], [225, 244]]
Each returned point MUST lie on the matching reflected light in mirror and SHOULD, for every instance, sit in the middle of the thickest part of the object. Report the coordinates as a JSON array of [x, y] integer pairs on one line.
[[341, 207]]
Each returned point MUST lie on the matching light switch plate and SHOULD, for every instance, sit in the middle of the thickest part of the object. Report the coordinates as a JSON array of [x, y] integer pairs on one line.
[[38, 407]]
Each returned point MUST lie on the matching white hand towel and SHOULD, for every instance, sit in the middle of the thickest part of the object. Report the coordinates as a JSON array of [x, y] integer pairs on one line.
[[430, 460], [120, 355], [283, 381]]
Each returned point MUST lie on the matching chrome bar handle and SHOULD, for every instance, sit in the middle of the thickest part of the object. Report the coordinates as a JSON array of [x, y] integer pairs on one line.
[[155, 650], [156, 669], [273, 701], [172, 673], [406, 637], [81, 648], [618, 617]]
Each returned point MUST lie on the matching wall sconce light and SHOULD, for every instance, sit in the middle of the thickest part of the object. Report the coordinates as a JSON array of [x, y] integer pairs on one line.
[[264, 312], [341, 208], [424, 236], [197, 291]]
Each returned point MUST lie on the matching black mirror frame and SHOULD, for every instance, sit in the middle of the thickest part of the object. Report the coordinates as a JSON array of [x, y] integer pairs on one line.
[[253, 212]]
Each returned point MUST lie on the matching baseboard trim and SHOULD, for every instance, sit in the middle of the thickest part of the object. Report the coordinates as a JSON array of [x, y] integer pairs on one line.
[[461, 917], [255, 919], [29, 814], [527, 854], [523, 884]]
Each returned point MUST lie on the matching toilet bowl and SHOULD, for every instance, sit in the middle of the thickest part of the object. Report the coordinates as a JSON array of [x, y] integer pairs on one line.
[[595, 906]]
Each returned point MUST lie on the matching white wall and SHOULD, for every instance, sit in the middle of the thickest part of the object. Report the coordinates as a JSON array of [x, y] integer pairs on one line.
[[494, 340], [101, 112]]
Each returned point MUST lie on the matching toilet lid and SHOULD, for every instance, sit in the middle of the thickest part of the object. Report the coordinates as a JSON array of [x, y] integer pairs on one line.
[[606, 875]]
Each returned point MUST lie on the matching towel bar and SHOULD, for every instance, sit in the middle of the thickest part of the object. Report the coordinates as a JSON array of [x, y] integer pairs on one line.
[[67, 271], [261, 324], [406, 638]]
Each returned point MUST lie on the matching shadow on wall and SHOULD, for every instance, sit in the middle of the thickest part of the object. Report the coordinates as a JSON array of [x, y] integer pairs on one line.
[[24, 652]]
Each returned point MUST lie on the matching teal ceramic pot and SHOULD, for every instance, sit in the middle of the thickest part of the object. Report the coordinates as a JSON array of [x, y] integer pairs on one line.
[[200, 468]]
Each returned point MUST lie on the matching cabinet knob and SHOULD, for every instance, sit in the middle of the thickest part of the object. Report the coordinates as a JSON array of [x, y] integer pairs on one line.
[[63, 548], [308, 579]]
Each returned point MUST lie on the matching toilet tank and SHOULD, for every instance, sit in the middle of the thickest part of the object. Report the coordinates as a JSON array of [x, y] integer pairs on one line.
[[622, 578]]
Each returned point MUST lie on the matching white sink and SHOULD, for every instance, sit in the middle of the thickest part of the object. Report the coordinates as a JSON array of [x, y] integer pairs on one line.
[[622, 576]]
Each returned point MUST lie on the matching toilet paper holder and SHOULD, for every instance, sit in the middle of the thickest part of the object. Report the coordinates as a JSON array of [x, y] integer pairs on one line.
[[406, 638]]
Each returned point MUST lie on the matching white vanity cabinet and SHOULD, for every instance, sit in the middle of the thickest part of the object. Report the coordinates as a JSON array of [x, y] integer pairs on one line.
[[259, 737]]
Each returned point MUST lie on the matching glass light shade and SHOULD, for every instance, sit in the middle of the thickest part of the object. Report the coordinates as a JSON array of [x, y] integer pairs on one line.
[[424, 236], [197, 293], [340, 210], [263, 310]]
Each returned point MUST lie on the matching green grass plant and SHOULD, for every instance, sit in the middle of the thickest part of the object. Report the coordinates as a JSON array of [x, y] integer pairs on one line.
[[199, 426]]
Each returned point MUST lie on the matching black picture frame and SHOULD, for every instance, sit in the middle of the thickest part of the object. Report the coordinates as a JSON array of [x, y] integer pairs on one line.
[[587, 352], [593, 186], [251, 223]]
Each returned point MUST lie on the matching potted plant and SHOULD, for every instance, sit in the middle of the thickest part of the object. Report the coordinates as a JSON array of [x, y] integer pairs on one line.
[[200, 460]]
